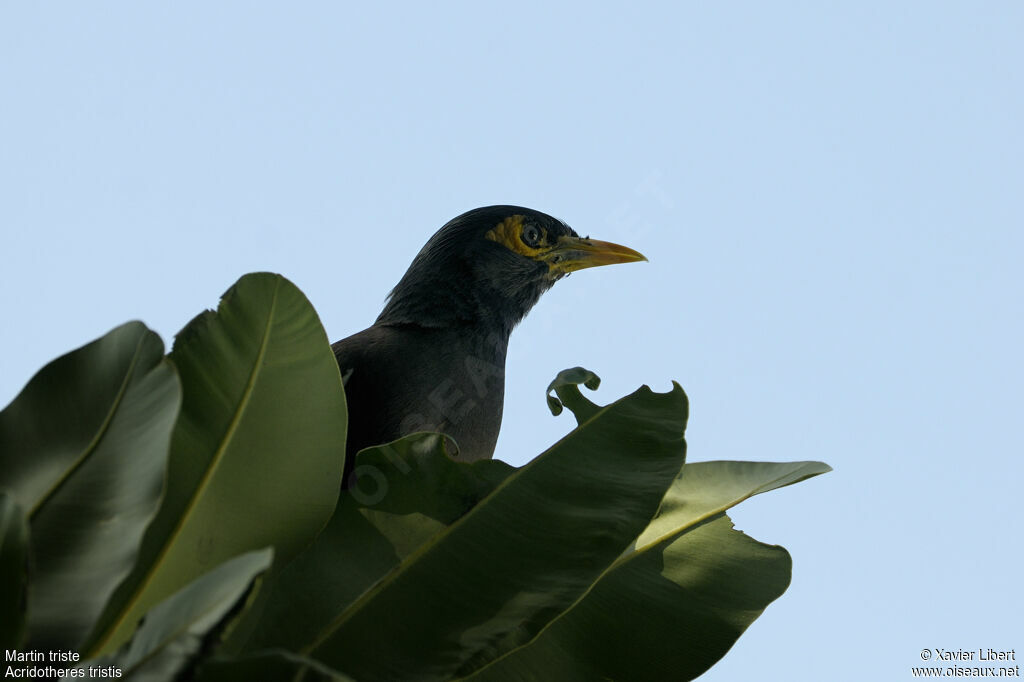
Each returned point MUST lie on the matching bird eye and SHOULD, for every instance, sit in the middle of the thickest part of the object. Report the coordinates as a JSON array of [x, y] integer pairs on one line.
[[531, 235]]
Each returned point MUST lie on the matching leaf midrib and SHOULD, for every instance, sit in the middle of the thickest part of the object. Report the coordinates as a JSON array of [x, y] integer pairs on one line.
[[97, 437], [204, 482]]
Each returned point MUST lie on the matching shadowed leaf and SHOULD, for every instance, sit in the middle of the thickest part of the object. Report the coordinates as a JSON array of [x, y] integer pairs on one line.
[[83, 449], [13, 572], [175, 634], [675, 603], [409, 491], [273, 665]]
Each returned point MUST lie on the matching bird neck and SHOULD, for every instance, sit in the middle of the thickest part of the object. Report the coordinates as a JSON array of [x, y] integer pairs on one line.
[[480, 311]]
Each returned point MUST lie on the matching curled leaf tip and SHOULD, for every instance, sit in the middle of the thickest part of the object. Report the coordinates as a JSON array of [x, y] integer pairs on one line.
[[566, 388]]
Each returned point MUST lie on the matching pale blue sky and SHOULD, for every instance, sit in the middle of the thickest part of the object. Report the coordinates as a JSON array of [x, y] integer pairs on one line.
[[830, 195]]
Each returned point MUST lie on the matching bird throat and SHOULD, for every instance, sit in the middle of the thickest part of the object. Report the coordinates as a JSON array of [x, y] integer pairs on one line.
[[484, 312]]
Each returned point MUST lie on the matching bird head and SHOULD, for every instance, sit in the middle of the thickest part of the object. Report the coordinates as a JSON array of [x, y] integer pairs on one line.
[[490, 266]]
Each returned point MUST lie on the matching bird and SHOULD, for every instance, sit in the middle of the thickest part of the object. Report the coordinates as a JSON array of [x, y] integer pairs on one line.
[[434, 359]]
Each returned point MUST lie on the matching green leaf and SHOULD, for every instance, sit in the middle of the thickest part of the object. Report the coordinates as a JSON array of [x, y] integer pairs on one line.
[[408, 491], [83, 449], [415, 474], [705, 489], [13, 572], [669, 614], [175, 634], [675, 603], [274, 665], [257, 454], [566, 387], [522, 555]]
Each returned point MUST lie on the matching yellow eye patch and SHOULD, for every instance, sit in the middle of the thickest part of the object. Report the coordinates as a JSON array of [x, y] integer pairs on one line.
[[509, 234]]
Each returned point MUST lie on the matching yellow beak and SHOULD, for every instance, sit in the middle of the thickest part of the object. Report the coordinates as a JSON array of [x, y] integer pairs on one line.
[[575, 253]]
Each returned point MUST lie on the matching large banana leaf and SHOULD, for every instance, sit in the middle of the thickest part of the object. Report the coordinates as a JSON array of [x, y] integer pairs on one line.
[[257, 454], [503, 570], [421, 491], [179, 632], [13, 572], [83, 449], [676, 601]]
